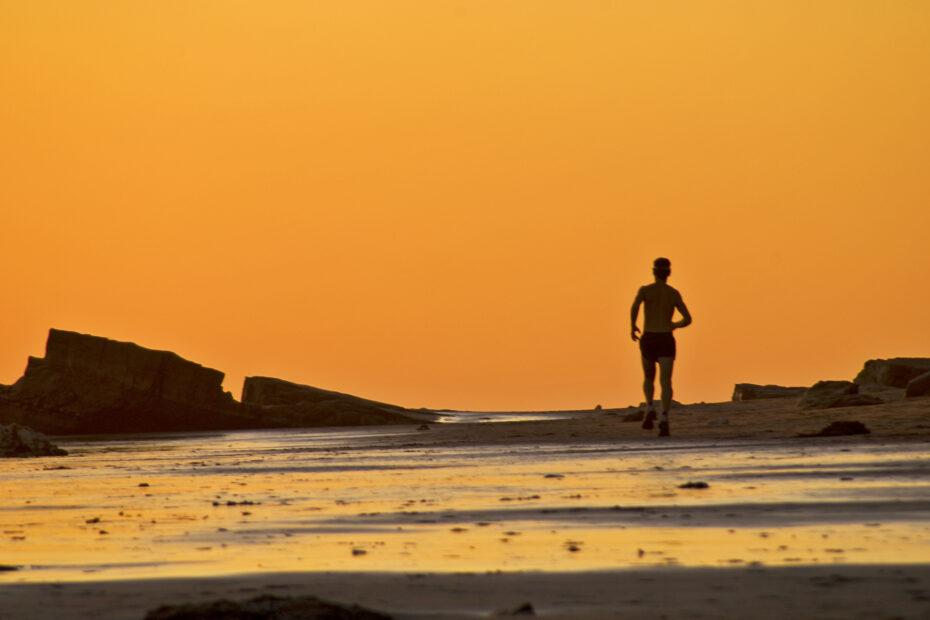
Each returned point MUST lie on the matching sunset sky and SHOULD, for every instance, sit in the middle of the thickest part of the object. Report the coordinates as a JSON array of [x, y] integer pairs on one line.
[[452, 204]]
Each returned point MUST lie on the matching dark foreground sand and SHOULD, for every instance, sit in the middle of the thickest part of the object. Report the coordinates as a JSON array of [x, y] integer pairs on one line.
[[882, 592]]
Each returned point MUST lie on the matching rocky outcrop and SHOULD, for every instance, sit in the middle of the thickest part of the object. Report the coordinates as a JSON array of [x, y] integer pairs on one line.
[[88, 384], [751, 391], [849, 400], [824, 394], [290, 404], [895, 372], [918, 386], [16, 440]]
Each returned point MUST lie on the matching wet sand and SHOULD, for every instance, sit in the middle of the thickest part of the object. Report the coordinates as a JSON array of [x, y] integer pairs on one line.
[[580, 515]]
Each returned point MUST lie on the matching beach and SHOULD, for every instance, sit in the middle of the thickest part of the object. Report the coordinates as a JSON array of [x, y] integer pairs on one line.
[[471, 516]]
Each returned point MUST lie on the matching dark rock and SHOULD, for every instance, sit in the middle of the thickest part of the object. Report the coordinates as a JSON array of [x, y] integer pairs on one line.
[[823, 394], [16, 440], [895, 372], [855, 400], [833, 394], [290, 404], [423, 427], [89, 384], [7, 568], [840, 427], [526, 609], [694, 485], [636, 416], [918, 386], [265, 608], [751, 391]]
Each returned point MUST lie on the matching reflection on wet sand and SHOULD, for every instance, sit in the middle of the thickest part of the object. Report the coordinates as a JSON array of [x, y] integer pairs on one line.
[[366, 500]]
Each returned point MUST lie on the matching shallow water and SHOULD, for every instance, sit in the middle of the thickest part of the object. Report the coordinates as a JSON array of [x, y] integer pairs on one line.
[[346, 500], [484, 417]]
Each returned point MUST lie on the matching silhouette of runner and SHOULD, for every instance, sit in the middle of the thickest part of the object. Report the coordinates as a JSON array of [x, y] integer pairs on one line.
[[657, 344]]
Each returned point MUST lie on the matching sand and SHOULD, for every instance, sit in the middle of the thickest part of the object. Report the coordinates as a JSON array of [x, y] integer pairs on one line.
[[843, 592], [581, 515]]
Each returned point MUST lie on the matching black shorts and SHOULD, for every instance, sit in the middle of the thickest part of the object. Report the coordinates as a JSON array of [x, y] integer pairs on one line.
[[654, 345]]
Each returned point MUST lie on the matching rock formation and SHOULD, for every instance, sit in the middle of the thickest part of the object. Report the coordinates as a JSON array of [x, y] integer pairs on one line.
[[918, 386], [828, 394], [751, 391], [88, 385], [16, 440], [291, 404], [894, 372]]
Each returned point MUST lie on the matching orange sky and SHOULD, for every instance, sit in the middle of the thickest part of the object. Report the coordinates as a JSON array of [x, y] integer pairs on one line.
[[452, 203]]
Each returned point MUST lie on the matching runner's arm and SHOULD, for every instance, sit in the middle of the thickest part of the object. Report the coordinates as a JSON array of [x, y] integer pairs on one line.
[[685, 315], [634, 314]]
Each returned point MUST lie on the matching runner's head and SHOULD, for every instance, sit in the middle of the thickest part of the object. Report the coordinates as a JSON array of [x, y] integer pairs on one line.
[[661, 268]]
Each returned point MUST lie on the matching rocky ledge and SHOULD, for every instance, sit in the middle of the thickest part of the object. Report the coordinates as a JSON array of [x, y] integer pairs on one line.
[[895, 372], [751, 391], [16, 440], [834, 394], [89, 385], [274, 399]]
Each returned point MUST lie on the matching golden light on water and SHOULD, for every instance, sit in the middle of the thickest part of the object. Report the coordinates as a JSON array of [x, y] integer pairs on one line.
[[320, 502]]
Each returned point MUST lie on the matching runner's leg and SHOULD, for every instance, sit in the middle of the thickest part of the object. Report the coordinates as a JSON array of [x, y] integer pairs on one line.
[[666, 364], [649, 379]]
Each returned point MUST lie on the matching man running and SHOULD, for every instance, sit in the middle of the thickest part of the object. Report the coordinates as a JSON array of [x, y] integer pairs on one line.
[[657, 344]]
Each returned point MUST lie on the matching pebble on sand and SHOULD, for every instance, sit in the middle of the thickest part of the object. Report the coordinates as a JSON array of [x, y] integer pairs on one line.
[[694, 485], [839, 428], [526, 609]]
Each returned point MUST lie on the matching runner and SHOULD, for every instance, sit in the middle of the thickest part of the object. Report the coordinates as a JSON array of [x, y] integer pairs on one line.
[[657, 344]]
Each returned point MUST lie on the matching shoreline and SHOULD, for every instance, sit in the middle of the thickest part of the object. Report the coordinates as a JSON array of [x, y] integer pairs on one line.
[[764, 419]]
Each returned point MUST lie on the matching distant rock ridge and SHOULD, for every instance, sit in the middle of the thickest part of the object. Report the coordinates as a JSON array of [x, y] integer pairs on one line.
[[751, 391], [268, 398], [895, 372], [88, 384], [833, 394], [883, 379]]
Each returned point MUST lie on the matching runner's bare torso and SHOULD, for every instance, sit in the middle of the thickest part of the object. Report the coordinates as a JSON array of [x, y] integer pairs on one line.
[[660, 301]]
